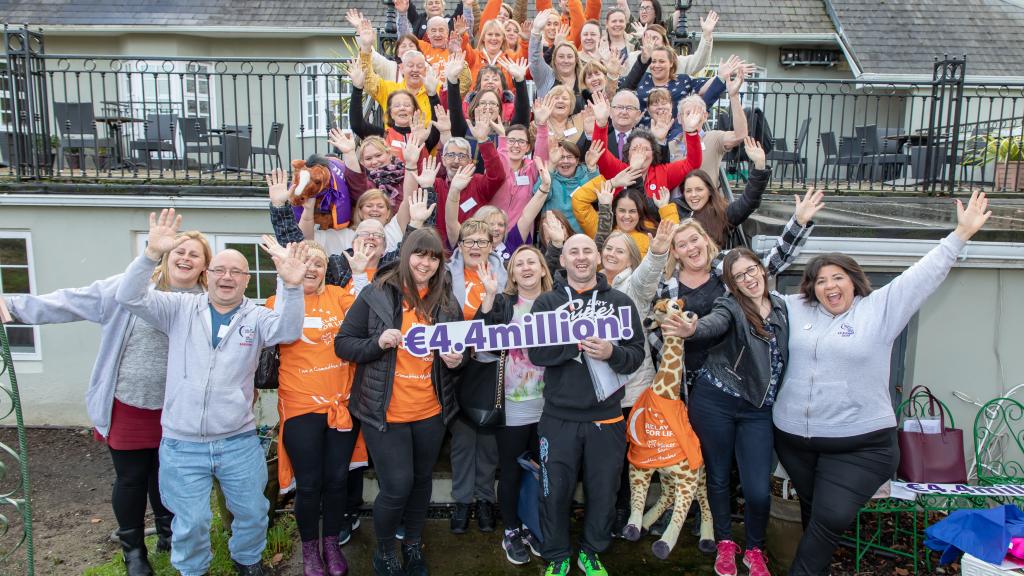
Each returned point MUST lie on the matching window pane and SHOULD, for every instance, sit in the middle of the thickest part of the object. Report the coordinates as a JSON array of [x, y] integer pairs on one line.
[[22, 339], [14, 280], [247, 250], [13, 251], [268, 284]]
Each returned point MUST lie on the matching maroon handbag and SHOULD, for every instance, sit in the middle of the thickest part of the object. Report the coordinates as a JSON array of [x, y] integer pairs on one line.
[[931, 458]]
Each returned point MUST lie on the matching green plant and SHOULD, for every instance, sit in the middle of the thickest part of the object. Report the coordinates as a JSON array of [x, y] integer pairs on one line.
[[986, 148]]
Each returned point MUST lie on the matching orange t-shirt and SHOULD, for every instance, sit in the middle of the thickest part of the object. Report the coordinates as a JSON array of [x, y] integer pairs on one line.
[[412, 393], [474, 294], [350, 291]]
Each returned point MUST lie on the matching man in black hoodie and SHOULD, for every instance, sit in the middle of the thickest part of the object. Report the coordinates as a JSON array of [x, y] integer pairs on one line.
[[577, 423]]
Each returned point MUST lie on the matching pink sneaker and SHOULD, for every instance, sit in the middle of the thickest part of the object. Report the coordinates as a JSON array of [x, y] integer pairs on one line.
[[725, 561], [754, 560]]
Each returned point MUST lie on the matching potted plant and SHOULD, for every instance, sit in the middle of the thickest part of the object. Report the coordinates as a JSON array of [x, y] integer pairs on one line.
[[1006, 151]]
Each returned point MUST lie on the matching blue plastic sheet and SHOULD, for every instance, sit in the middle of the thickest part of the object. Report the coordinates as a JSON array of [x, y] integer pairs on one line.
[[984, 534]]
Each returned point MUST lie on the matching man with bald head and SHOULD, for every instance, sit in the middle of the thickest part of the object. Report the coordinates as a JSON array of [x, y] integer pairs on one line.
[[209, 429], [582, 419]]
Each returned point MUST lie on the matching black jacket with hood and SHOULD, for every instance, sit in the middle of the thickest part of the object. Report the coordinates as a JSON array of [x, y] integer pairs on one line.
[[378, 308], [568, 389]]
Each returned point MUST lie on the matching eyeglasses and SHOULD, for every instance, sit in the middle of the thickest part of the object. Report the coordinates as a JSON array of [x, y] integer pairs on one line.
[[475, 243], [456, 156], [751, 272], [234, 272], [487, 106], [646, 8], [624, 108], [377, 235], [517, 141]]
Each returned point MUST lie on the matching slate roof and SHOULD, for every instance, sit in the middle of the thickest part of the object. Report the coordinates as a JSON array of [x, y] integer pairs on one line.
[[892, 37]]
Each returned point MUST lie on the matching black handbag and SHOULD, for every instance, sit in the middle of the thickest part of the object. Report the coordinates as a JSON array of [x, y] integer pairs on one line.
[[268, 368], [483, 406]]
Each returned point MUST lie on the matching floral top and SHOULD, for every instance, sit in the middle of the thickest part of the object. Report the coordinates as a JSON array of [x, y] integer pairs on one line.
[[524, 382]]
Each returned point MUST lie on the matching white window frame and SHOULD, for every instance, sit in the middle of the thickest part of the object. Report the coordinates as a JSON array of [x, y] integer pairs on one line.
[[220, 243], [37, 354], [142, 92], [320, 91]]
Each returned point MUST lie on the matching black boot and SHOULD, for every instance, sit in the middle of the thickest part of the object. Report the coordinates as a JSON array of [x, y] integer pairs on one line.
[[163, 532], [415, 563], [386, 562], [460, 518], [133, 544]]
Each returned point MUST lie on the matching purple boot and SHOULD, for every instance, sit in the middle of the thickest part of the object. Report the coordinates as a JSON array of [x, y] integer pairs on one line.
[[337, 565], [312, 564]]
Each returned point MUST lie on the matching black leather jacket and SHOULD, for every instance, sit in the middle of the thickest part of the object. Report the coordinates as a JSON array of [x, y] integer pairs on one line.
[[378, 308], [741, 357]]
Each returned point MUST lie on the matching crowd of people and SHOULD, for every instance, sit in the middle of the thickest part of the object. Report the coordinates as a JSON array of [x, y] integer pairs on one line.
[[483, 197]]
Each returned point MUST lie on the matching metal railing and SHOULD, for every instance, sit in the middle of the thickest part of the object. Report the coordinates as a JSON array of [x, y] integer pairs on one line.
[[209, 120], [17, 551]]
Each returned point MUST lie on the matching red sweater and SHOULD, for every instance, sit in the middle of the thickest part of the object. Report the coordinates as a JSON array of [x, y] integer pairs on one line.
[[478, 193], [669, 175]]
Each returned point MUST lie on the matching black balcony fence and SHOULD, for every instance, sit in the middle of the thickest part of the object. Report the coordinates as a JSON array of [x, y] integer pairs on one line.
[[206, 120]]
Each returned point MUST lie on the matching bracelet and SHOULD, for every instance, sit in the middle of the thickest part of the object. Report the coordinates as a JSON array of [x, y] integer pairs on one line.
[[407, 169], [543, 191]]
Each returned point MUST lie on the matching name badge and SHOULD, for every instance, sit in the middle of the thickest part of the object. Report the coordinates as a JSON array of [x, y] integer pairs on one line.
[[702, 146], [522, 180], [312, 322], [468, 205], [398, 143], [570, 132], [222, 331]]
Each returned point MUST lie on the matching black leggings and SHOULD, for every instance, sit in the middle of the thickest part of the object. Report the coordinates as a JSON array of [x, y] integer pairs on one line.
[[404, 456], [834, 478], [320, 457], [136, 477], [512, 442]]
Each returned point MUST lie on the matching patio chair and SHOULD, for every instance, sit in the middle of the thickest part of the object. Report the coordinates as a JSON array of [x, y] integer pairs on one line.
[[782, 156], [273, 141], [195, 134], [78, 138], [837, 156], [875, 158], [160, 136]]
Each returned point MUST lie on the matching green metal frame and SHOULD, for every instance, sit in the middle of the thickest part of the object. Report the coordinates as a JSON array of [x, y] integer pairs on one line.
[[998, 419], [19, 494]]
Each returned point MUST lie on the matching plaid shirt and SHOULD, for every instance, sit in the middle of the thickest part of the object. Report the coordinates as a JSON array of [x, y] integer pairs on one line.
[[775, 260], [282, 218]]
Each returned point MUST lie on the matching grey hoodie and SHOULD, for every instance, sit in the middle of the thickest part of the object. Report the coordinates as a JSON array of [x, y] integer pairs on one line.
[[93, 303], [837, 380], [209, 390]]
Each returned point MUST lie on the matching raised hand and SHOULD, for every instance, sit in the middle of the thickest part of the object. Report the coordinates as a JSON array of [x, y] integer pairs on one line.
[[727, 68], [418, 127], [541, 20], [163, 232], [754, 152], [707, 25], [419, 207], [517, 68], [605, 195], [587, 116], [647, 46], [544, 174], [594, 153], [366, 36], [270, 245], [355, 17], [428, 172], [488, 278], [542, 109], [599, 105], [662, 240], [805, 208], [693, 120], [456, 62], [735, 82], [343, 141], [356, 74], [553, 230], [442, 121], [661, 125], [359, 259], [293, 267], [462, 178], [413, 149], [430, 79], [627, 177], [480, 129], [402, 6], [661, 197], [969, 220], [638, 29], [460, 26], [277, 188], [562, 34], [497, 127]]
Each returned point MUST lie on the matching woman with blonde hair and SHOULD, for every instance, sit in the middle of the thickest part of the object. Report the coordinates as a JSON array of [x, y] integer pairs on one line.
[[125, 395]]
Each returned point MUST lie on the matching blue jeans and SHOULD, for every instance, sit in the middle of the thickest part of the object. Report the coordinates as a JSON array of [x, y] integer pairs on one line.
[[187, 470], [731, 428]]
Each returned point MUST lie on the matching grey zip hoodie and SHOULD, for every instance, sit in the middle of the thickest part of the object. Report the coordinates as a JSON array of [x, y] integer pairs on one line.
[[209, 392], [837, 381]]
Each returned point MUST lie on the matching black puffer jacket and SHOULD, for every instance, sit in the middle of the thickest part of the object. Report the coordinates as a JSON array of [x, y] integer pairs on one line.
[[740, 356], [378, 308]]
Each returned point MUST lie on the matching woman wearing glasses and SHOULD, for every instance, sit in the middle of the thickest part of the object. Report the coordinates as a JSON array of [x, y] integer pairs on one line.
[[125, 396]]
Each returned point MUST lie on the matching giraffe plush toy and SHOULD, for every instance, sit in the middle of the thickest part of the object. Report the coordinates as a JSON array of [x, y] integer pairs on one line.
[[661, 440]]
